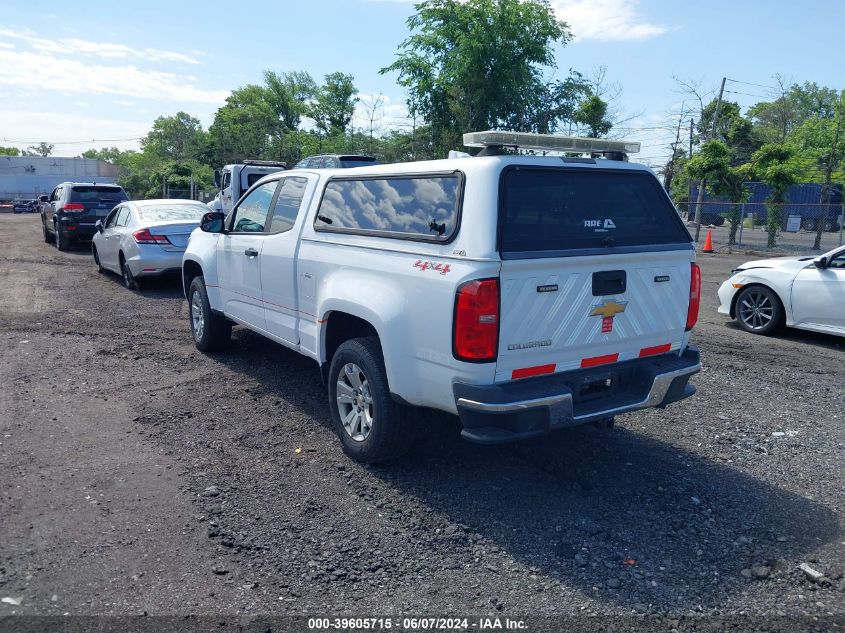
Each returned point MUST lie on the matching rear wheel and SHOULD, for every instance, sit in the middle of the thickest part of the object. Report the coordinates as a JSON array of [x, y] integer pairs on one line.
[[211, 331], [100, 268], [758, 310], [809, 224], [48, 237], [372, 427], [61, 240], [129, 280]]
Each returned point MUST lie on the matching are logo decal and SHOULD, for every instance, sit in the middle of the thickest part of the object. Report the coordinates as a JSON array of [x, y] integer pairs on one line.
[[424, 264], [600, 226]]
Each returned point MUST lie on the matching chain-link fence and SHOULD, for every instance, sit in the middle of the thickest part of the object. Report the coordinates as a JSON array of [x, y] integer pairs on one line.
[[796, 227]]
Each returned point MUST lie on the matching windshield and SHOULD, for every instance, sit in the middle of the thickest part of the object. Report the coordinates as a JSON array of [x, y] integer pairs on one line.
[[95, 193], [172, 212]]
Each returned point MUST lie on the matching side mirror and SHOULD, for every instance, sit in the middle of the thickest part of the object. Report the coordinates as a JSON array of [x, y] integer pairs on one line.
[[821, 262], [212, 222], [217, 178], [99, 226], [43, 199]]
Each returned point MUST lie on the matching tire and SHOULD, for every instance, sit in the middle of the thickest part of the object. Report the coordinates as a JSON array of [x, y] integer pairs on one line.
[[718, 220], [830, 226], [100, 268], [759, 310], [809, 224], [211, 331], [357, 372], [48, 237], [61, 242], [129, 280]]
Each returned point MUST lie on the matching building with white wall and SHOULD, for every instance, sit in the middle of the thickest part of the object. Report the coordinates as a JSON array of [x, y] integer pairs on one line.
[[28, 177]]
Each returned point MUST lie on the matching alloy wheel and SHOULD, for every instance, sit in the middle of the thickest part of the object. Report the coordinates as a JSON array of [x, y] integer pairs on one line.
[[354, 402], [756, 310]]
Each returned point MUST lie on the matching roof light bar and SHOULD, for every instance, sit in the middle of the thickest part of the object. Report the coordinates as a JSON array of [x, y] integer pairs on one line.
[[549, 142]]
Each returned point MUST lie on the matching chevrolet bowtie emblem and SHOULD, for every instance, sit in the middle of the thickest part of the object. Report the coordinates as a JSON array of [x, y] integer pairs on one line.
[[609, 309]]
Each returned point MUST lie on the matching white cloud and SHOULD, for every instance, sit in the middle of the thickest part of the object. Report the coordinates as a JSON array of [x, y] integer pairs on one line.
[[606, 20], [388, 115], [37, 70], [107, 50], [6, 45], [602, 20], [29, 126]]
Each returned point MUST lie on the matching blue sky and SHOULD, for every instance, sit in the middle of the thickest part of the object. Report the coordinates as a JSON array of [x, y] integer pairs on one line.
[[105, 70]]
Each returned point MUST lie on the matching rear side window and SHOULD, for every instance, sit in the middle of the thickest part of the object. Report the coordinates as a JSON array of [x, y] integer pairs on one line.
[[560, 209], [97, 193], [410, 207]]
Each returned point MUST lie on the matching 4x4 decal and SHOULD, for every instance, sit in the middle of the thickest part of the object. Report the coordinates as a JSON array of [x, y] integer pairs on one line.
[[424, 264]]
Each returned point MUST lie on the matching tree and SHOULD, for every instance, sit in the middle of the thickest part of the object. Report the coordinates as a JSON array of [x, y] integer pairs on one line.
[[592, 113], [373, 108], [820, 141], [9, 151], [773, 164], [244, 126], [476, 64], [288, 94], [334, 104], [776, 119], [42, 149], [176, 137], [554, 105], [109, 154]]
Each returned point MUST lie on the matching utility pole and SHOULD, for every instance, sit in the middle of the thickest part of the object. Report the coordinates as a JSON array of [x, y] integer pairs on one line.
[[163, 186]]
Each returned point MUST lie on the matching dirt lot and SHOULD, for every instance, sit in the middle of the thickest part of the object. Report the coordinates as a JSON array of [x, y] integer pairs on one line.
[[138, 475]]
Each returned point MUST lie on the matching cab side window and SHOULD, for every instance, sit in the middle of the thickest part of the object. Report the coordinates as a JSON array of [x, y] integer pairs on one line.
[[227, 180], [250, 216], [287, 204]]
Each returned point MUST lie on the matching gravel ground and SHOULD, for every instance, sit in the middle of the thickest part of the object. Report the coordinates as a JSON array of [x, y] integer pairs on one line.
[[139, 475]]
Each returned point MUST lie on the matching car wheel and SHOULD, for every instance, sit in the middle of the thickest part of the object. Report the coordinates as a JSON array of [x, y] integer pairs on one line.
[[372, 427], [129, 279], [61, 242], [830, 226], [809, 224], [100, 268], [48, 237], [758, 310], [211, 331]]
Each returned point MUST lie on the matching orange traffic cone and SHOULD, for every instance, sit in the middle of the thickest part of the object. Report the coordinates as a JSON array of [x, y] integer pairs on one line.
[[708, 242]]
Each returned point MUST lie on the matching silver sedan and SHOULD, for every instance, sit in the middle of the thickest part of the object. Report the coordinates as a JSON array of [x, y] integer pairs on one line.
[[144, 238]]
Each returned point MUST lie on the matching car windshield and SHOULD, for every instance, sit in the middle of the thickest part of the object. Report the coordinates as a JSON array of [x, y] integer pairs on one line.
[[95, 193], [172, 212]]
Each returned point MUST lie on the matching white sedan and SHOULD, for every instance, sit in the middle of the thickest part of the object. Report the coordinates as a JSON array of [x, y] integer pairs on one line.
[[801, 292], [144, 238]]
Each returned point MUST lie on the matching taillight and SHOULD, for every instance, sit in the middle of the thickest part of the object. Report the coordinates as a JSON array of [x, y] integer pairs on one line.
[[73, 206], [476, 327], [694, 296], [145, 237]]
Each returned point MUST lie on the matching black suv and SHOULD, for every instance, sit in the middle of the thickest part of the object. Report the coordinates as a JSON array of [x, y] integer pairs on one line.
[[335, 161], [71, 212]]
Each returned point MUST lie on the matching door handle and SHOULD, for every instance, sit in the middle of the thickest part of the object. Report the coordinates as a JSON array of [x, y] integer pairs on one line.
[[251, 252]]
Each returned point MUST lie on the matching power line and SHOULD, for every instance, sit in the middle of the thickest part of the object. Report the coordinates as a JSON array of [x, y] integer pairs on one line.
[[748, 83], [747, 94], [87, 140]]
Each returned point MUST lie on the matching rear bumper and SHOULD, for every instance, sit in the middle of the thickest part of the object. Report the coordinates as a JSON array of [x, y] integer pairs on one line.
[[535, 406], [152, 260]]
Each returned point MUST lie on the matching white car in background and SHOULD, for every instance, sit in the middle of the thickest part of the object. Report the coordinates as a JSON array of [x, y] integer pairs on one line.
[[801, 292], [144, 238]]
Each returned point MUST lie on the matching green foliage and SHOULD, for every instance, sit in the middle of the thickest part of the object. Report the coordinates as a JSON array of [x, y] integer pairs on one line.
[[592, 113], [773, 164], [243, 127], [288, 94], [9, 151], [42, 149], [477, 64], [776, 120], [176, 137], [334, 104]]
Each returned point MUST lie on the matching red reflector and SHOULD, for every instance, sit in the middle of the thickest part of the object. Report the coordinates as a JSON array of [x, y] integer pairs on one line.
[[70, 227], [74, 206], [539, 370], [599, 360], [476, 333], [145, 237], [694, 296], [657, 349]]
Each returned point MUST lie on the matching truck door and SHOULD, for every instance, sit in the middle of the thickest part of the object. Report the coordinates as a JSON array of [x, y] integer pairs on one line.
[[226, 191], [279, 258], [239, 257]]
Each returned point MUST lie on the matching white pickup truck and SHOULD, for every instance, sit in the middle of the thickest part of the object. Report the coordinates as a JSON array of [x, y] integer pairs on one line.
[[524, 294]]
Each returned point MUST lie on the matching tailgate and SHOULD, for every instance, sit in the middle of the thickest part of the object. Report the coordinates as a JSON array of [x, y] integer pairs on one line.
[[563, 314], [595, 269]]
